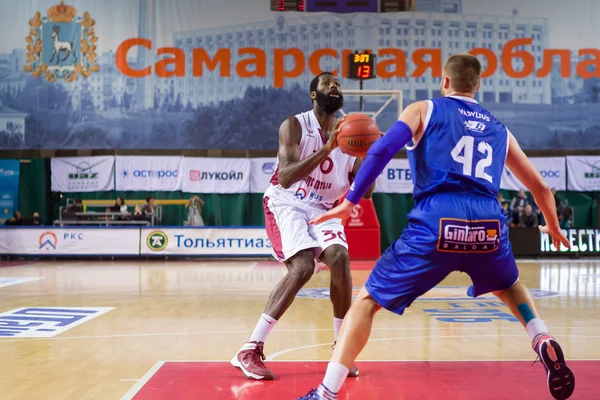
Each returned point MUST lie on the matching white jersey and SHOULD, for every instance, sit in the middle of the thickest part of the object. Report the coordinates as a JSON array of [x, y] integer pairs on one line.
[[327, 183]]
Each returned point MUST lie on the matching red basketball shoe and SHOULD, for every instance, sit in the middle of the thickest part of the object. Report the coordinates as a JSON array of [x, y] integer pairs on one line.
[[250, 361]]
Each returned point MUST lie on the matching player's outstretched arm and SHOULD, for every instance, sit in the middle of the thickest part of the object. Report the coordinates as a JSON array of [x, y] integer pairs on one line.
[[379, 155], [291, 168], [369, 193], [524, 170]]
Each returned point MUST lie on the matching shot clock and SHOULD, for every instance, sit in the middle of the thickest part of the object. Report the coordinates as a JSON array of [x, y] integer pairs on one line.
[[343, 6], [361, 66]]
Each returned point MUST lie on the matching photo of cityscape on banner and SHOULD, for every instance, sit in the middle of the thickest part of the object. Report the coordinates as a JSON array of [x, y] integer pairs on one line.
[[177, 74]]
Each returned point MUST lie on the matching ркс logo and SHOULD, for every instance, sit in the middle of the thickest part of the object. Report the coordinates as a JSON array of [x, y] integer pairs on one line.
[[48, 240], [157, 241], [61, 45]]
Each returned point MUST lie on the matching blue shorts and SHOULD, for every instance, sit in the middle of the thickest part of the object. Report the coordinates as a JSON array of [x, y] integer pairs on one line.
[[445, 233]]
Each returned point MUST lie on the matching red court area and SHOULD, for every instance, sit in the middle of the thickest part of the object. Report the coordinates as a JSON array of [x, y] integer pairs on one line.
[[378, 381]]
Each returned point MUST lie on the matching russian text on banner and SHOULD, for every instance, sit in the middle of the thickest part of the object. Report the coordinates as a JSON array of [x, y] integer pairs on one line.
[[216, 175], [238, 242], [67, 241], [83, 174], [149, 173]]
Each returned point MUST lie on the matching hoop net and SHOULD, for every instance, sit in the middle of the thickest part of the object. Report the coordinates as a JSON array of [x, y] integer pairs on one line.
[[375, 102]]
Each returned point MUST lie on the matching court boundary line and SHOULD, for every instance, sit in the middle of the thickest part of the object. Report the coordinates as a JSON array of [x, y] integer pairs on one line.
[[291, 350], [139, 385], [558, 261], [128, 335], [373, 361], [142, 381]]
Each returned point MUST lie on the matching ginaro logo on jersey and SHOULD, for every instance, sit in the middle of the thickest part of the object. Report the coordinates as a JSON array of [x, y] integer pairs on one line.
[[457, 235]]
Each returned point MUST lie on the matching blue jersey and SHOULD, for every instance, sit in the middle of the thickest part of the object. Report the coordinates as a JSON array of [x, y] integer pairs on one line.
[[457, 224], [462, 148]]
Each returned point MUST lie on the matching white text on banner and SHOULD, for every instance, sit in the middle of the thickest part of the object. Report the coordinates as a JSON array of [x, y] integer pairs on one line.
[[149, 173], [209, 242], [395, 178], [66, 241], [261, 172], [216, 175], [552, 169], [83, 174], [584, 173]]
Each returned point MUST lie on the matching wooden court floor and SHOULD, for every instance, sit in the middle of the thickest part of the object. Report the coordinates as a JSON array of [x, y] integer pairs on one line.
[[165, 330]]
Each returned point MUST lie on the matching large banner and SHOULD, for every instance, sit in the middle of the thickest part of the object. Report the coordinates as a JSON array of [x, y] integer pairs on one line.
[[583, 241], [552, 169], [584, 173], [149, 173], [396, 177], [205, 242], [9, 187], [70, 241], [200, 74], [261, 172], [216, 175], [83, 174]]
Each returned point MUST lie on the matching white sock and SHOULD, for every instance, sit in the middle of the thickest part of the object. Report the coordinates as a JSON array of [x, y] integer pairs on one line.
[[535, 327], [325, 393], [337, 325], [334, 379], [263, 328]]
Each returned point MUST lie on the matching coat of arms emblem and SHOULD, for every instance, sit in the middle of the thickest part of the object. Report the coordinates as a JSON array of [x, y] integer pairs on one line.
[[61, 45]]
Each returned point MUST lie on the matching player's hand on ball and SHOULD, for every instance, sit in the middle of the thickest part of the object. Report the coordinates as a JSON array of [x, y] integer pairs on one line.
[[342, 212], [557, 236], [336, 127], [332, 142]]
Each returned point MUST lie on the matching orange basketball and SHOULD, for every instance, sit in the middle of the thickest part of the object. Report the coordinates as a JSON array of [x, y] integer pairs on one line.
[[357, 133]]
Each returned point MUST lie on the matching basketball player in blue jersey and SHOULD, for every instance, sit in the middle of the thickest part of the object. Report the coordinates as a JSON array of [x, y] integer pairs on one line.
[[457, 152]]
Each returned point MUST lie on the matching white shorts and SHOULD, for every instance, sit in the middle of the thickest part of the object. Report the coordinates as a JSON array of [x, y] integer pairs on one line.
[[288, 229]]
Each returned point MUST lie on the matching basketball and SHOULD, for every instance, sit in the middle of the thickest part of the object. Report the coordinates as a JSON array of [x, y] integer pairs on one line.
[[357, 134]]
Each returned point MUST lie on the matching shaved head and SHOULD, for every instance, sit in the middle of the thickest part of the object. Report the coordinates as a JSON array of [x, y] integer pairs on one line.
[[464, 73]]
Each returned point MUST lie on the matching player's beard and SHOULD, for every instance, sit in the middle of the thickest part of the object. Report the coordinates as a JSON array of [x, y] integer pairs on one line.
[[329, 104]]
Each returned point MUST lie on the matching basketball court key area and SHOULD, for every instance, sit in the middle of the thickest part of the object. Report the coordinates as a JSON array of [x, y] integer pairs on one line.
[[167, 330]]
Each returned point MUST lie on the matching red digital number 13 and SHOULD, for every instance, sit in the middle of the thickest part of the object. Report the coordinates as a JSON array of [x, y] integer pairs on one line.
[[364, 71]]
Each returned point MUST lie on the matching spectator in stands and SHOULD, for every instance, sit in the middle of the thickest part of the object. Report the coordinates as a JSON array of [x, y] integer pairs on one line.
[[565, 218], [16, 219], [518, 206], [528, 218], [33, 220], [559, 206], [195, 204], [148, 208], [507, 212], [500, 198], [36, 219], [119, 206], [537, 211], [77, 206]]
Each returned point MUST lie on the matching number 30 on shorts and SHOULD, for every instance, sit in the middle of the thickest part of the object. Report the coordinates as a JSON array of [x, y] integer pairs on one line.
[[332, 235]]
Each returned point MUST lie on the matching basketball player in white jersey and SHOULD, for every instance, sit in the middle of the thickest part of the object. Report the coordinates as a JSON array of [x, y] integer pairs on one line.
[[312, 175]]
